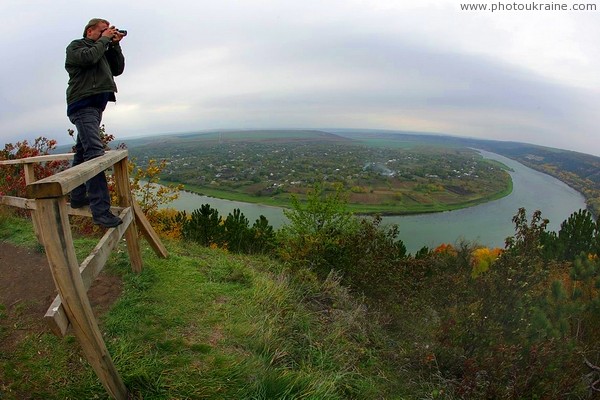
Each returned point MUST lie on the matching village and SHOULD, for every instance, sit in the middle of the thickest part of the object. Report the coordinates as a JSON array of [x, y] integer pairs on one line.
[[371, 174]]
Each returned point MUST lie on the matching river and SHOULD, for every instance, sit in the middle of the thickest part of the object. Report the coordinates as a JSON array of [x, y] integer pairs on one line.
[[488, 224]]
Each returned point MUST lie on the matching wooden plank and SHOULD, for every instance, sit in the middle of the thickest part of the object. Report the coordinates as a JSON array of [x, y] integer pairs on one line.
[[60, 252], [86, 212], [65, 181], [55, 317], [149, 232], [27, 204], [38, 159], [121, 175], [90, 268], [94, 263], [80, 212]]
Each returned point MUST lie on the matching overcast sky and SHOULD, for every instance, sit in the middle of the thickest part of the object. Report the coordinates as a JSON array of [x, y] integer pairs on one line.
[[418, 65]]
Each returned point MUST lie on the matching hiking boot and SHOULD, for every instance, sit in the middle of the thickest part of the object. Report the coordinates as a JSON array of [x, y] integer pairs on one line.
[[80, 203], [107, 220]]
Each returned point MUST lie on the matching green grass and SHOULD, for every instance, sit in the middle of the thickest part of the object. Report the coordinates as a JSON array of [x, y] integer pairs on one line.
[[283, 200], [206, 324], [15, 230]]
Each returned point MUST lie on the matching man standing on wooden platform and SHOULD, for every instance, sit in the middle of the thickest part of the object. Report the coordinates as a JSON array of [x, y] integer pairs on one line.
[[92, 64]]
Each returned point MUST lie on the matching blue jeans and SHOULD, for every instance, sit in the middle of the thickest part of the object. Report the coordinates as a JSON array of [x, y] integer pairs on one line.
[[88, 146]]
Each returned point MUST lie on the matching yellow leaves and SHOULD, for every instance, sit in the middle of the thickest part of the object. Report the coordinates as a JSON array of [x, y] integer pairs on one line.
[[482, 259], [165, 223], [145, 187]]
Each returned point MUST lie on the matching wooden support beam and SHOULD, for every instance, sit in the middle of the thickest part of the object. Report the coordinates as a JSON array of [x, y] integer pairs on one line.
[[57, 320], [29, 170], [86, 212], [29, 204], [60, 252], [149, 232], [18, 202], [90, 268], [121, 174], [63, 182], [29, 173]]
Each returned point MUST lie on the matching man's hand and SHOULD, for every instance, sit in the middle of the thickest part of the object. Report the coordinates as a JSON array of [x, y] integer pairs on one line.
[[109, 32], [117, 36], [113, 34]]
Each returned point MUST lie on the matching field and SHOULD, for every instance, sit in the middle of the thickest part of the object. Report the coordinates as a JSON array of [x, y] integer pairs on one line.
[[380, 176]]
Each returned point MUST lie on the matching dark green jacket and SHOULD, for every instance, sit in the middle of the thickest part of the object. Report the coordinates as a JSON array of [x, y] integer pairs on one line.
[[92, 66]]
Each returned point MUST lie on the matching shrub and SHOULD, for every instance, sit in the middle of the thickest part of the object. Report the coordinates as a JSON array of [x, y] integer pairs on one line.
[[262, 237], [203, 226], [233, 233], [315, 235], [521, 328], [12, 177], [579, 233], [373, 254], [146, 187]]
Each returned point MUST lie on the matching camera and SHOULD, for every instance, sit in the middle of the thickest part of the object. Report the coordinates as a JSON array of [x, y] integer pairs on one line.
[[122, 32]]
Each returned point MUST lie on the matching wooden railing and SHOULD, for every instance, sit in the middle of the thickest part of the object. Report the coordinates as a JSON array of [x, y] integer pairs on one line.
[[47, 201]]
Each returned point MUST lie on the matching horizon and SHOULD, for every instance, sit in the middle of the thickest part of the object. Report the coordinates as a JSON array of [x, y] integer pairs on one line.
[[326, 130]]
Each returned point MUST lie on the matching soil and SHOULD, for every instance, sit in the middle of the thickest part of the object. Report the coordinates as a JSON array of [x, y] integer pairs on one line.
[[27, 290]]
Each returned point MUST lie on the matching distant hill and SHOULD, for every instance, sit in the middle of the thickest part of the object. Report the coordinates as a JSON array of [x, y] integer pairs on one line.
[[225, 136], [271, 136]]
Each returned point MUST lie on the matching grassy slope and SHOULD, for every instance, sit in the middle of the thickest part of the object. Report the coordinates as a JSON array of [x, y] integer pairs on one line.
[[205, 324]]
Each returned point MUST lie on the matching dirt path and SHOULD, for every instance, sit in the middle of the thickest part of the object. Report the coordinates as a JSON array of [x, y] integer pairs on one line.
[[27, 289]]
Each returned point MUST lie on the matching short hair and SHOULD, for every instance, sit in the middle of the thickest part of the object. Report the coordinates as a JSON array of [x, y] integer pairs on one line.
[[93, 22]]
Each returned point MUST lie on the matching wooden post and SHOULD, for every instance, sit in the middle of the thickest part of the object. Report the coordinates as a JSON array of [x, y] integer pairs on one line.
[[29, 173], [124, 193], [30, 178], [148, 231], [58, 242]]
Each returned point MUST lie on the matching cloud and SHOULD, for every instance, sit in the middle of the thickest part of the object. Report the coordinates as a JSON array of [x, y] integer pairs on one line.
[[423, 65]]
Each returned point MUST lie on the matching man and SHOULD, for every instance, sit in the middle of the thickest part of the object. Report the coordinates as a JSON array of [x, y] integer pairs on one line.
[[92, 64]]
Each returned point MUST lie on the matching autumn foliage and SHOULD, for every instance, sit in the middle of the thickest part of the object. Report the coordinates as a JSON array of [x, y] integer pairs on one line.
[[12, 177], [475, 322]]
